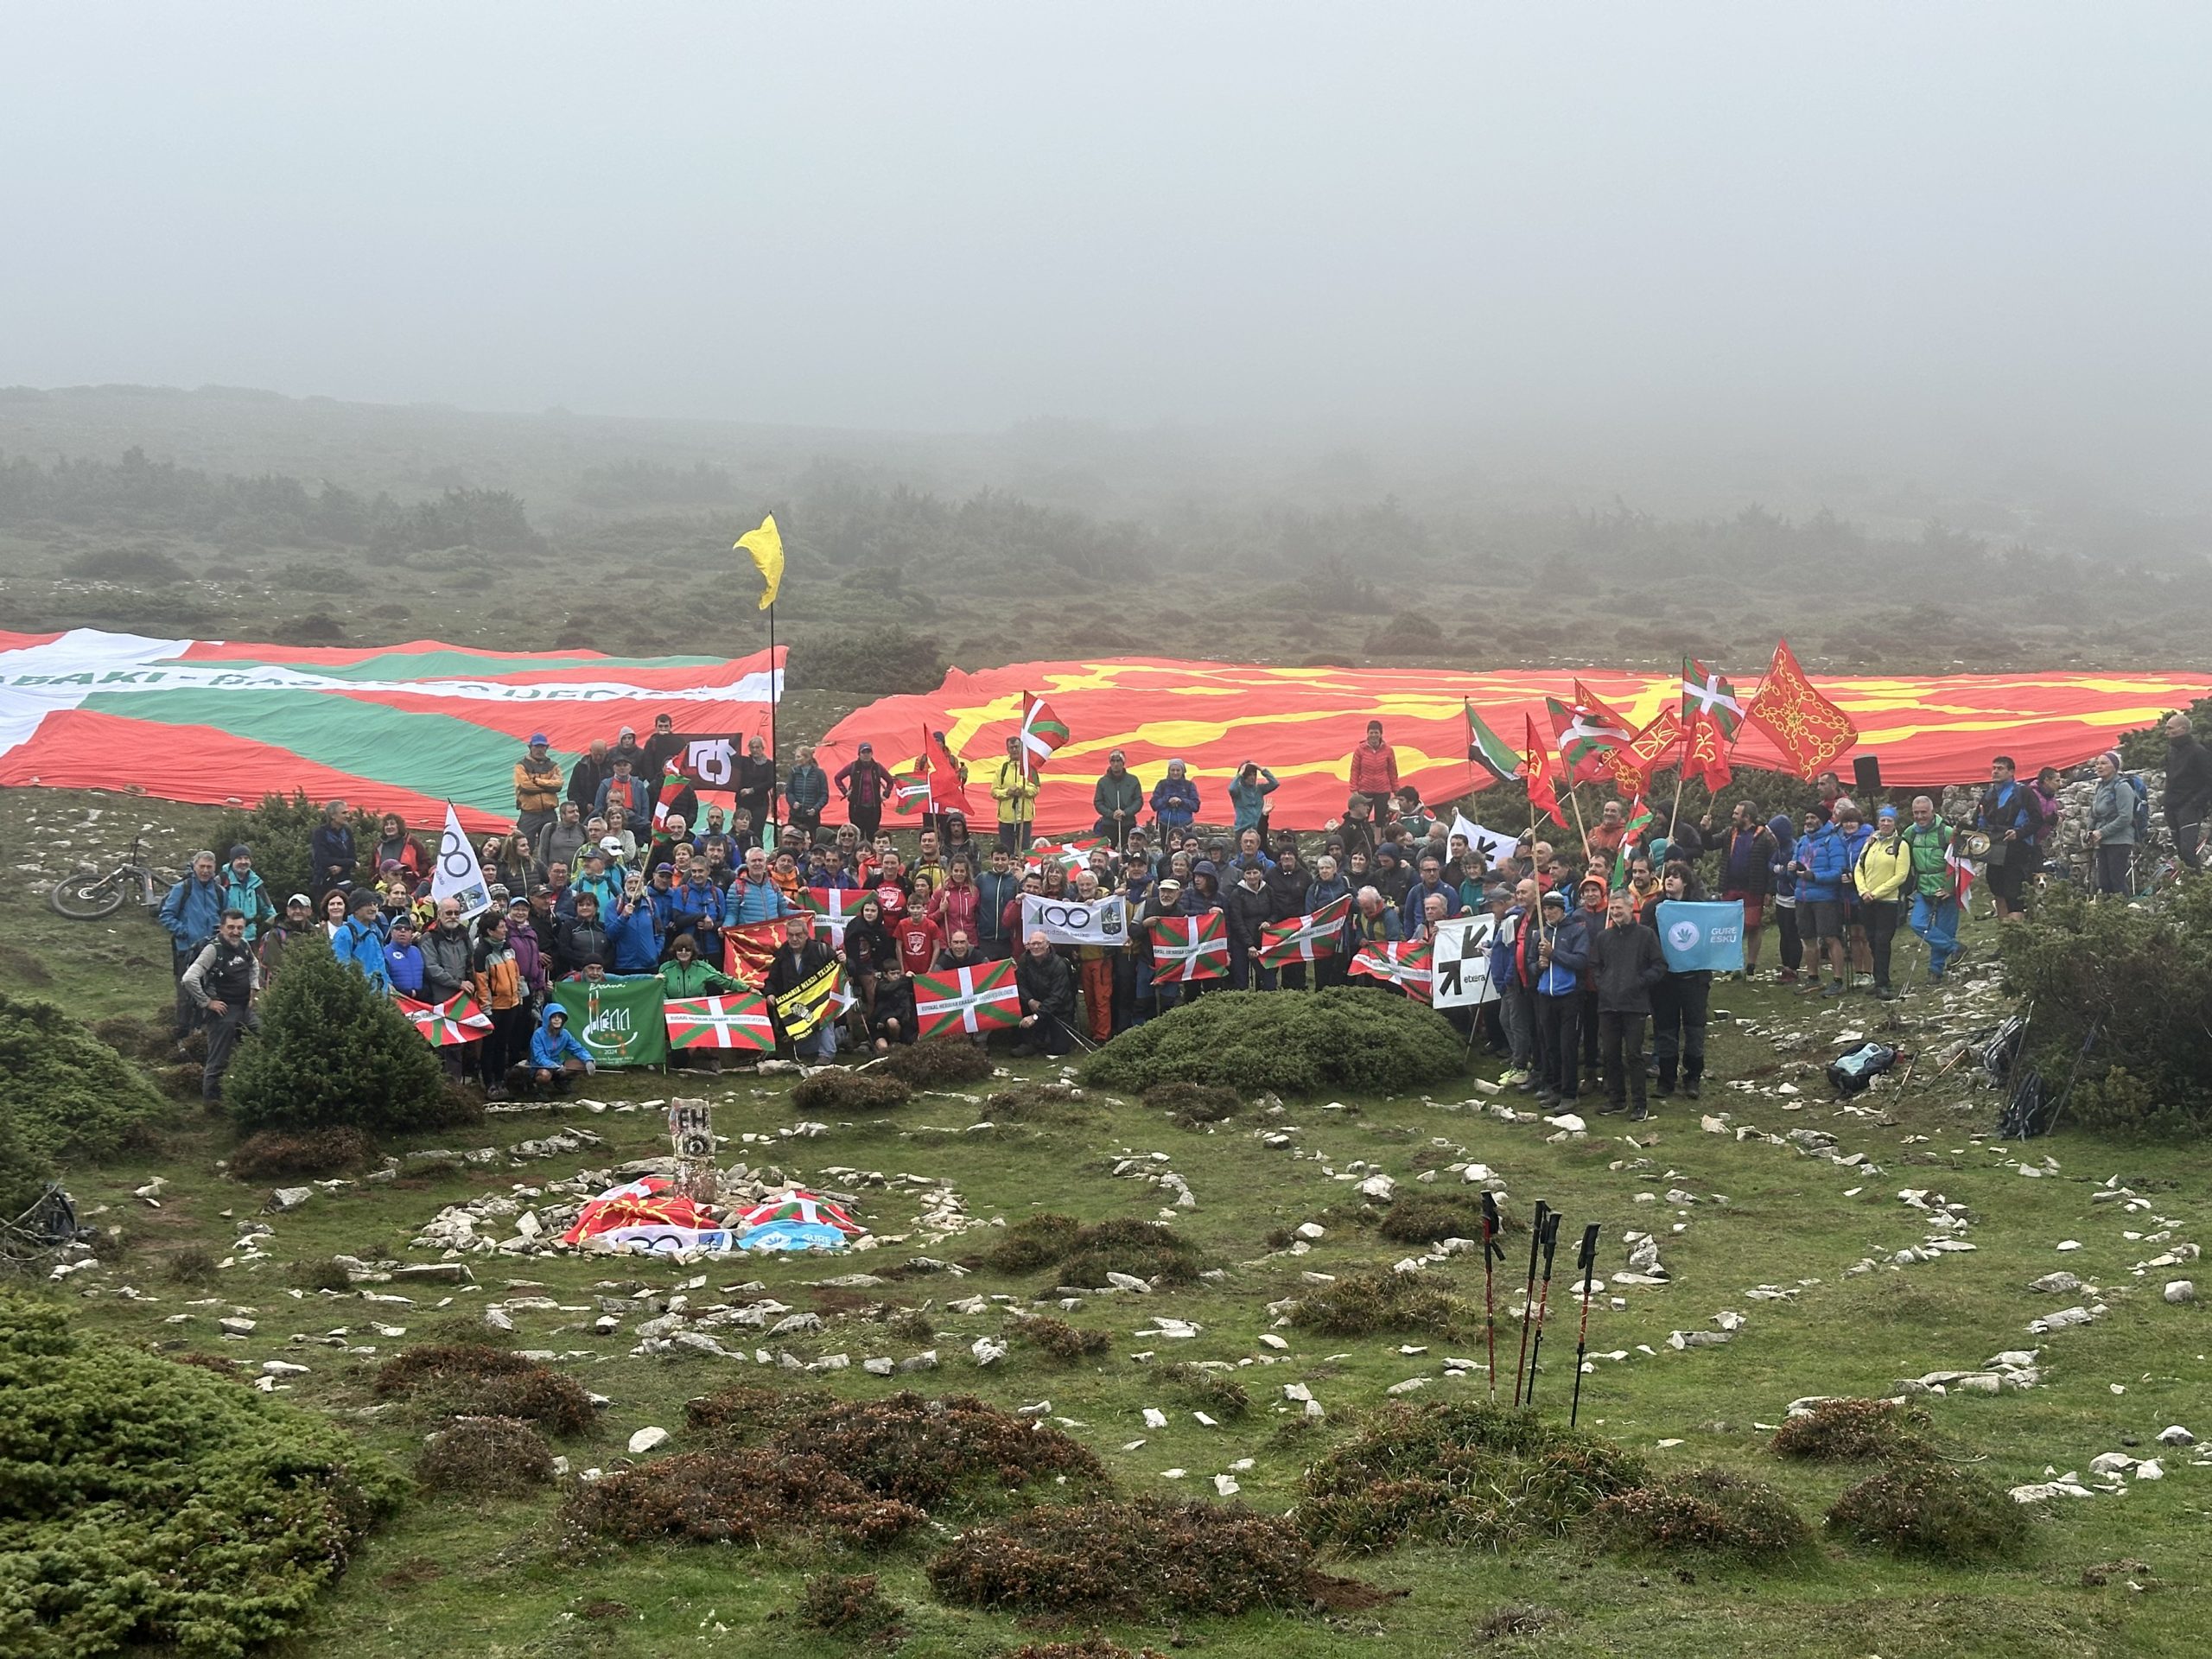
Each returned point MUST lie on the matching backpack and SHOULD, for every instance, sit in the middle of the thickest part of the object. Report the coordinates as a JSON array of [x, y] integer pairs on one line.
[[2142, 806], [1853, 1073]]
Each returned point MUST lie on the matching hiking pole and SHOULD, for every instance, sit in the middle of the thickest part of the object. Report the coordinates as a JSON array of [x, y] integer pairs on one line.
[[1551, 1242], [1528, 1293], [1587, 1261], [1493, 1252]]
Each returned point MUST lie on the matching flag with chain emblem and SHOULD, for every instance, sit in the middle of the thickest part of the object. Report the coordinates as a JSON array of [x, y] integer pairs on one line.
[[1704, 754], [1303, 938], [748, 949], [1804, 725], [1537, 774], [460, 1018], [1186, 948], [1407, 966], [1633, 762], [970, 1000], [726, 1022]]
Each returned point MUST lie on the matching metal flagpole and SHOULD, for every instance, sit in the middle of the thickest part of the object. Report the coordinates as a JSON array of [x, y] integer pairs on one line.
[[775, 762]]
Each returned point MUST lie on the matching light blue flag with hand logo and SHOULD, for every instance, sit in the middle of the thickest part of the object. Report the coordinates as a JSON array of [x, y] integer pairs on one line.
[[1696, 938]]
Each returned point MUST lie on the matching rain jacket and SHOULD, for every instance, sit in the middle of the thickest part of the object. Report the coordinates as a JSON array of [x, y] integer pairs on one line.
[[548, 1047], [194, 909], [1885, 869], [1175, 802], [249, 898], [363, 946]]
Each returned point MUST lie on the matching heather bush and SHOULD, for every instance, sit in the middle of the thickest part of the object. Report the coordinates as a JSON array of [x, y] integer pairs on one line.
[[936, 1063], [473, 1380], [275, 1156], [1934, 1510], [1364, 1304], [1425, 1217], [1218, 1393], [1853, 1431], [1706, 1511], [148, 1503], [1194, 1105], [1345, 1036], [1083, 1254], [755, 1496], [487, 1457], [837, 1093], [847, 1605], [1057, 1339]]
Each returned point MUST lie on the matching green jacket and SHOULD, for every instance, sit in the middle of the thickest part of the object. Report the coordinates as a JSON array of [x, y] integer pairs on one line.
[[1930, 875], [695, 979]]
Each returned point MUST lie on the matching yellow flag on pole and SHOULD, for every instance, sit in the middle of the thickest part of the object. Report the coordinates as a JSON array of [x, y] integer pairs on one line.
[[765, 545]]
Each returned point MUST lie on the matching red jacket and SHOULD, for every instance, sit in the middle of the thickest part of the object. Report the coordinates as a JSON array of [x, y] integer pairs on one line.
[[1374, 771], [954, 909]]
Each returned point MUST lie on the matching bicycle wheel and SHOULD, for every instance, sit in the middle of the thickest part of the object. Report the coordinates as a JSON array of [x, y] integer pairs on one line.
[[86, 895]]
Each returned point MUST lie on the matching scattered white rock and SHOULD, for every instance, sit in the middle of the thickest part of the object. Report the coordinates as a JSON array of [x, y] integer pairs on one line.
[[2175, 1435], [2180, 1291], [645, 1440], [1154, 1417], [1226, 1485], [2069, 1243], [987, 1352]]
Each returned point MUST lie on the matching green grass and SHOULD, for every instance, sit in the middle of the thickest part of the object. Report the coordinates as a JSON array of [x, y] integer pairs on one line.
[[462, 1575]]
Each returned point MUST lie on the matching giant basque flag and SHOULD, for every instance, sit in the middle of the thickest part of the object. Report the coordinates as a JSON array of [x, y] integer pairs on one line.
[[396, 729], [1304, 723]]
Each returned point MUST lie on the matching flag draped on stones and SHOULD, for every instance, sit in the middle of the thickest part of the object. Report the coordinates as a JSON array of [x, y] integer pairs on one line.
[[1305, 722], [807, 1209], [402, 728], [1804, 725], [970, 1000], [748, 950], [1407, 966], [1185, 948], [729, 1022], [617, 1019], [1304, 938], [806, 1005], [459, 1019]]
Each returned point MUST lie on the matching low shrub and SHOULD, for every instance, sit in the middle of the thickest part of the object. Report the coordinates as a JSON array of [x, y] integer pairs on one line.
[[487, 1457], [1093, 1646], [909, 1324], [1194, 1105], [1218, 1393], [852, 1606], [1146, 1559], [834, 1093], [752, 1497], [1343, 1037], [325, 1274], [1934, 1510], [1515, 1619], [1424, 1217], [1033, 1242], [1364, 1304], [1706, 1511], [1853, 1431], [68, 1096], [192, 1266], [1473, 1473], [136, 1039], [921, 1451], [936, 1063], [157, 1504], [1059, 1340], [473, 1380], [273, 1155], [1083, 1253], [332, 1053], [1035, 1103]]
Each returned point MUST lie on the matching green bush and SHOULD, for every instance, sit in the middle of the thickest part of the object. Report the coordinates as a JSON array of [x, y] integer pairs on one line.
[[1706, 1512], [277, 832], [2128, 970], [1934, 1510], [333, 1051], [1365, 1304], [1853, 1431], [147, 1503], [1083, 1255], [1144, 1559], [67, 1096], [851, 1606], [1343, 1038], [1474, 1473]]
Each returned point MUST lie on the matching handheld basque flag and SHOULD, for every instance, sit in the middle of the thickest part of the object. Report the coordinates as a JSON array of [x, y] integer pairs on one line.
[[1407, 966], [460, 1018], [831, 908], [1042, 731], [969, 1000], [1698, 938], [1070, 855], [910, 789], [725, 1022], [1706, 691], [1186, 948], [1303, 938]]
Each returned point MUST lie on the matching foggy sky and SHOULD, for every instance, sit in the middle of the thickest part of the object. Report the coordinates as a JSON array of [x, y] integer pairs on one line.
[[1857, 225]]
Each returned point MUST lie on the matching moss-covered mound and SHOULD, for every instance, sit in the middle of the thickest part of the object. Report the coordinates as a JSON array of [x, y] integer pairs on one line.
[[1342, 1038], [146, 1502]]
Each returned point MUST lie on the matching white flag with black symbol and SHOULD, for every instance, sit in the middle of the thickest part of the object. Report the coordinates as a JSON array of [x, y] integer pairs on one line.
[[458, 875]]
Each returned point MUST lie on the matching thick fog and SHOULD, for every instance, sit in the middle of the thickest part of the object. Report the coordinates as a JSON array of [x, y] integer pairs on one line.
[[1851, 233]]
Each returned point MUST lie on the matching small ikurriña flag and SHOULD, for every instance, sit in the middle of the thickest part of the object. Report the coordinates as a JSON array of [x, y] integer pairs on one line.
[[1704, 756], [1042, 731], [671, 785], [969, 1000], [910, 789], [1585, 734], [831, 908], [1537, 773], [460, 1018], [1639, 820], [1303, 938], [1706, 691], [1407, 966], [1070, 856], [748, 950], [1961, 872], [727, 1022], [1804, 725], [1185, 948]]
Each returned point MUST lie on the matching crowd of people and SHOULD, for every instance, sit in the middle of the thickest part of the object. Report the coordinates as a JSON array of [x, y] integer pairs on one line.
[[600, 875]]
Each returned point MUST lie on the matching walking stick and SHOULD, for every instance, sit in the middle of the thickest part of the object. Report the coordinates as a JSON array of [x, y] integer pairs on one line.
[[1529, 1291], [1587, 1261], [1493, 1252], [1551, 1242]]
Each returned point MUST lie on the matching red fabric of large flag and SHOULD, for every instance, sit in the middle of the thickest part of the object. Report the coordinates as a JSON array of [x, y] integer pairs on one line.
[[723, 1022], [1805, 726], [1185, 948], [1303, 938], [1407, 966], [969, 1000]]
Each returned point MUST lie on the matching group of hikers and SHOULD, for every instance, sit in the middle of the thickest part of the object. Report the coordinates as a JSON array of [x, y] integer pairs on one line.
[[600, 876]]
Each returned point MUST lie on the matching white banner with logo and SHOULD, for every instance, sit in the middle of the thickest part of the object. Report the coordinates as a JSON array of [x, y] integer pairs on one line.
[[1461, 963], [1103, 920]]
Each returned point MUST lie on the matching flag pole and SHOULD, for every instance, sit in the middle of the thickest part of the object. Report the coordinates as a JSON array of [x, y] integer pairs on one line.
[[775, 765]]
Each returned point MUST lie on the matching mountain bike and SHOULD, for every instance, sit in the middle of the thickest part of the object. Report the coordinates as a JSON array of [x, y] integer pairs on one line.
[[85, 894]]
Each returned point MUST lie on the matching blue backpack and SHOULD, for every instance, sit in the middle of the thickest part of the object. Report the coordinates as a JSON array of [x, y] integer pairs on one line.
[[2142, 807]]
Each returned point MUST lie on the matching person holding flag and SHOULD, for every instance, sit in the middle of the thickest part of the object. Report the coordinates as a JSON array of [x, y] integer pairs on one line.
[[1047, 998], [1117, 797], [1014, 788], [801, 980]]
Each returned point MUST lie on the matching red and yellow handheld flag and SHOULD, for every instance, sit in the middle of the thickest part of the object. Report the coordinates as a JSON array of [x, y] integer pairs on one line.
[[1536, 769], [1804, 725]]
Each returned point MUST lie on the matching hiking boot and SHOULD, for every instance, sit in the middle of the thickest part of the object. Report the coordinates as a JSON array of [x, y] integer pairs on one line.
[[1546, 1096], [1836, 989], [1639, 1115], [1789, 976], [1691, 1089], [1664, 1088], [1610, 1107], [1885, 994]]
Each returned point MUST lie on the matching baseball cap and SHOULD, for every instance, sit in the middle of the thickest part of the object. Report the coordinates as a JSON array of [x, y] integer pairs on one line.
[[300, 898], [663, 869], [1592, 881], [539, 740], [540, 888], [363, 899], [612, 846], [1555, 897], [867, 748], [1171, 885], [402, 919]]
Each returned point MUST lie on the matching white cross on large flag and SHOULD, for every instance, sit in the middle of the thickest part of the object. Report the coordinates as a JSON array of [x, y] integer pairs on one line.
[[1186, 948], [735, 1022], [1406, 966], [970, 1000], [1302, 938]]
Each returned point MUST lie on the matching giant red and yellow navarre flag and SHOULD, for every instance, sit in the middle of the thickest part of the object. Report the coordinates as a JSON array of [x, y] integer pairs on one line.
[[401, 729], [1304, 723]]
